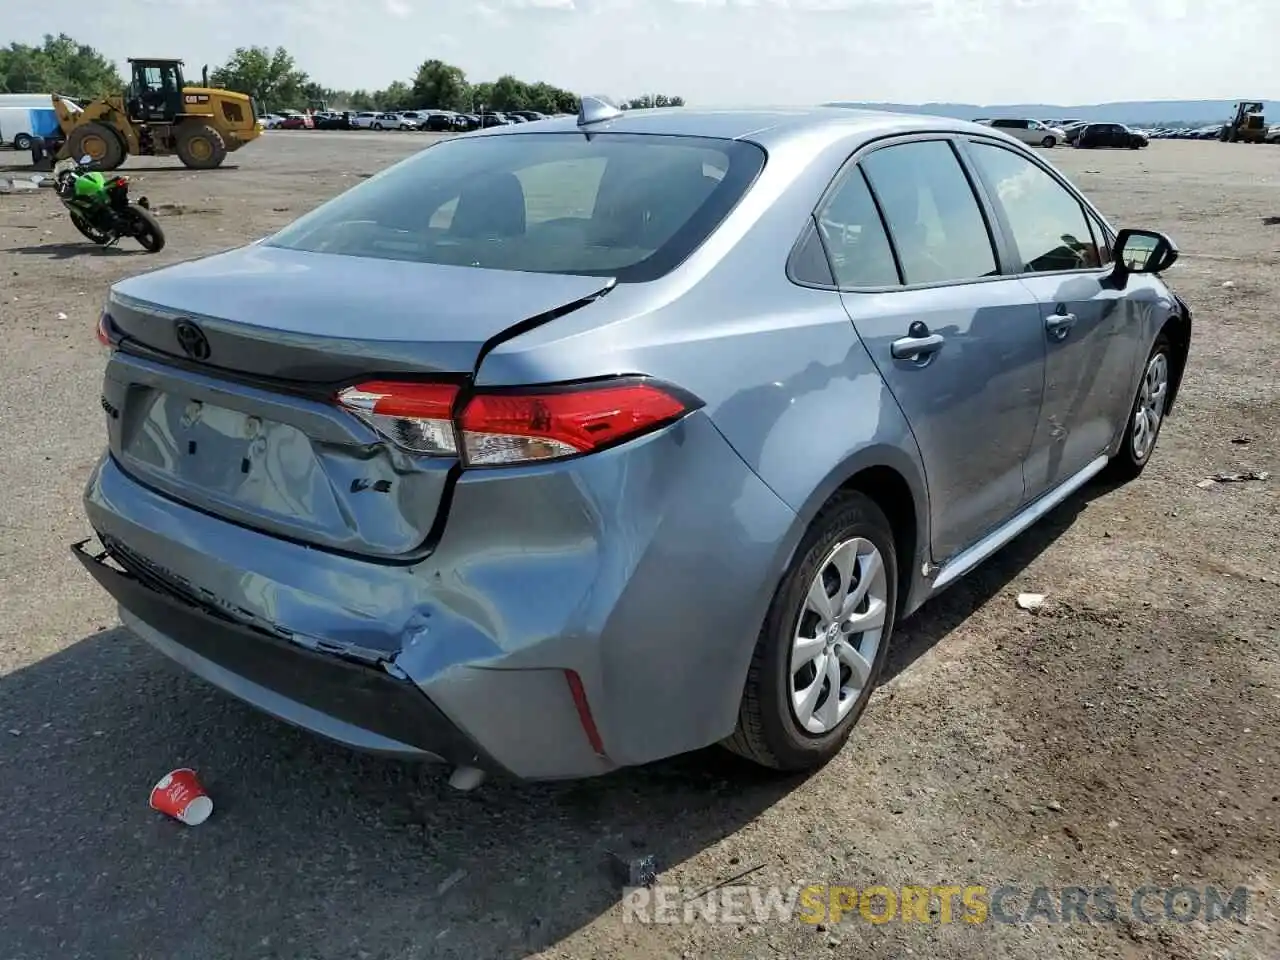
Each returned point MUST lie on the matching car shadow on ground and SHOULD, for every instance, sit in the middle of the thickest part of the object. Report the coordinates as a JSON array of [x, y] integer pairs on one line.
[[915, 636], [315, 851], [312, 850], [66, 251]]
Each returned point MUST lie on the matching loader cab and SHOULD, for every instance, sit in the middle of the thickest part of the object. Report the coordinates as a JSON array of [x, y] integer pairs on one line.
[[155, 93]]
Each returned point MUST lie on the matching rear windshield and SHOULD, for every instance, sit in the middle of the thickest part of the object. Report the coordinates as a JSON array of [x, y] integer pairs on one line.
[[617, 205]]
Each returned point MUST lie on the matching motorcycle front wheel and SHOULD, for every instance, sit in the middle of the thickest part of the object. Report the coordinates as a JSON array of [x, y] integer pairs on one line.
[[145, 229], [100, 237]]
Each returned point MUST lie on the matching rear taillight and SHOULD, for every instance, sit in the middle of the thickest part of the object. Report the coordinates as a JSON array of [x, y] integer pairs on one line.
[[511, 426], [415, 416], [105, 329]]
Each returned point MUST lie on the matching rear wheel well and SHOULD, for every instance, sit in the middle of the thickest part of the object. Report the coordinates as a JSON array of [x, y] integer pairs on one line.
[[1177, 329], [893, 496]]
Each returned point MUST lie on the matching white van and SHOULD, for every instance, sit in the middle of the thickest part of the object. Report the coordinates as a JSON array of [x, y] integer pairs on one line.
[[25, 117], [1034, 132]]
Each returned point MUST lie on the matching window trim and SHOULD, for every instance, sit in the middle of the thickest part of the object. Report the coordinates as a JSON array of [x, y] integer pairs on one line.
[[852, 163], [1014, 264]]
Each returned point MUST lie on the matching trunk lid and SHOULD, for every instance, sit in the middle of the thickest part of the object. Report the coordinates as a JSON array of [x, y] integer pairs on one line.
[[323, 318], [243, 425]]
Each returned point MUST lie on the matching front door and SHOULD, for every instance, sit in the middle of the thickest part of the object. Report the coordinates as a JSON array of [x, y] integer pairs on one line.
[[1085, 321], [958, 345]]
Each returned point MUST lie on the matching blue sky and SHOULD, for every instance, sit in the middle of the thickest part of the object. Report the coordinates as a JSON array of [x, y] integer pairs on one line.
[[725, 51]]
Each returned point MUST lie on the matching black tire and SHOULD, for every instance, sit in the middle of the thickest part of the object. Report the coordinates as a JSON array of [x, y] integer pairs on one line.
[[768, 732], [200, 146], [89, 232], [1126, 465], [377, 126], [1049, 142], [98, 141], [22, 142], [145, 229]]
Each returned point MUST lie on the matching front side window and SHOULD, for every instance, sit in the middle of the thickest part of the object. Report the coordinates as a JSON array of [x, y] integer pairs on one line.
[[618, 205], [1048, 222], [934, 219]]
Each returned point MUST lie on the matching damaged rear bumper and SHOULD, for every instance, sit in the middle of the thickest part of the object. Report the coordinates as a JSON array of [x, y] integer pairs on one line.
[[360, 705]]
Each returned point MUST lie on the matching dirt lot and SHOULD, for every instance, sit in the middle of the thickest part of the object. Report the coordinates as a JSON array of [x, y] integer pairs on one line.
[[1124, 735]]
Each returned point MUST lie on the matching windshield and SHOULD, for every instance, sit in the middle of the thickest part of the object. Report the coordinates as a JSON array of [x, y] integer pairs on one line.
[[618, 205]]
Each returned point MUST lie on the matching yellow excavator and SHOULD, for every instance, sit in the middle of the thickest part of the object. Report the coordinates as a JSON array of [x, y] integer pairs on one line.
[[158, 116]]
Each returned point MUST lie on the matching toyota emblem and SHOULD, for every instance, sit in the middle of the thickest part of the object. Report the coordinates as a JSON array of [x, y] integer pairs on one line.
[[192, 340]]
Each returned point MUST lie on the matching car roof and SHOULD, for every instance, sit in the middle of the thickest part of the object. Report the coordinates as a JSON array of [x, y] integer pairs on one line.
[[766, 126]]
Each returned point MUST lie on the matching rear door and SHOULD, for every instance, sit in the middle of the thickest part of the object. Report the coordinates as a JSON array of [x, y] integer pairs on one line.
[[1086, 324], [959, 346]]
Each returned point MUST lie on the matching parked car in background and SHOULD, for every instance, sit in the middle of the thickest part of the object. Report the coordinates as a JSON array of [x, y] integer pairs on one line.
[[376, 120], [1109, 135], [607, 471], [529, 116], [293, 120], [334, 121], [1073, 131], [1029, 131], [1273, 133], [26, 118], [440, 121], [494, 119]]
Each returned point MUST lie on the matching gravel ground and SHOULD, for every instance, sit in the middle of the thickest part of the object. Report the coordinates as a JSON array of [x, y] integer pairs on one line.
[[1126, 734]]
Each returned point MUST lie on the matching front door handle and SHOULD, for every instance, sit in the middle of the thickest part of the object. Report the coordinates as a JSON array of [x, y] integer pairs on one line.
[[917, 348], [1060, 324]]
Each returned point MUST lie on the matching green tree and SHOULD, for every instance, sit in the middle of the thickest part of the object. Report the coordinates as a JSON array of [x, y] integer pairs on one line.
[[509, 94], [272, 79], [360, 100], [395, 97], [440, 86], [482, 96], [649, 101], [59, 65], [545, 98]]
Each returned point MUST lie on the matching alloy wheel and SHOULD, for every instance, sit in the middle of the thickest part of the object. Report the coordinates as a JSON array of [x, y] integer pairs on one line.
[[838, 635], [1149, 410]]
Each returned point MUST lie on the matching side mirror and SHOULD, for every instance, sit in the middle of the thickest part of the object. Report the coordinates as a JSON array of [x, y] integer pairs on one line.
[[1144, 251]]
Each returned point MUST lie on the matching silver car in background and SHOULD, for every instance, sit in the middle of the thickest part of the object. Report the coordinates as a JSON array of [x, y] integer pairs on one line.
[[562, 447], [1035, 133]]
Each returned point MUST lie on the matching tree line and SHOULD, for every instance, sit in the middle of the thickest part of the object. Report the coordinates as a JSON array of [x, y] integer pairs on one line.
[[273, 79], [58, 65]]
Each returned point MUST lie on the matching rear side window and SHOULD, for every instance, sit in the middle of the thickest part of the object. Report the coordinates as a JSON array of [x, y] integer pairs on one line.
[[1047, 221], [934, 219], [618, 205], [854, 236]]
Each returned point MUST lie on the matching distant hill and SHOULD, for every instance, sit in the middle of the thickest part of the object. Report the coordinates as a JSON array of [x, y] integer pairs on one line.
[[1143, 113]]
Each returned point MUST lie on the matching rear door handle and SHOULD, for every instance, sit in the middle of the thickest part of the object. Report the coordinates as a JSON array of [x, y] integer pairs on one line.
[[917, 348], [1060, 324]]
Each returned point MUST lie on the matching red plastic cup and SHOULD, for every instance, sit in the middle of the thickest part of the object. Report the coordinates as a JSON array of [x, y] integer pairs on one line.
[[179, 795]]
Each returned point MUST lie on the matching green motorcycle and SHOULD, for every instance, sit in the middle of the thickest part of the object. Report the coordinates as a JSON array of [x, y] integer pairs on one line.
[[100, 207]]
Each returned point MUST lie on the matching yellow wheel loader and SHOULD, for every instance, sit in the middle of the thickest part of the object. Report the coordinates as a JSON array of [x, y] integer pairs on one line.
[[159, 116]]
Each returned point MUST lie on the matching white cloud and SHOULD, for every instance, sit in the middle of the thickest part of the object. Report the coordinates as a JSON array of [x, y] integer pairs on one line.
[[729, 51]]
